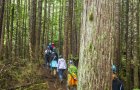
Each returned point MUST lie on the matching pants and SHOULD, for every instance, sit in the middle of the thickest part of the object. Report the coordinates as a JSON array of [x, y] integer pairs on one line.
[[60, 72], [71, 87], [53, 71], [46, 59]]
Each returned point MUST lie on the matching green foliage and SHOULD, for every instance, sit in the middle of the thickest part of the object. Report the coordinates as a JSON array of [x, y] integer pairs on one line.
[[41, 86], [19, 73], [90, 47], [75, 58], [91, 17]]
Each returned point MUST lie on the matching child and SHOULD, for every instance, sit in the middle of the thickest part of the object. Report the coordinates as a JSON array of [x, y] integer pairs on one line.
[[72, 76], [61, 67]]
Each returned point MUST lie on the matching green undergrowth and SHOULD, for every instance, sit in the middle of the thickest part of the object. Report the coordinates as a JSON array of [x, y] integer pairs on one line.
[[18, 74]]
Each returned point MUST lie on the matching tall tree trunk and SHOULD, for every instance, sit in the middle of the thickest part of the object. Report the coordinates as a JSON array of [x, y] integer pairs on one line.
[[74, 31], [12, 29], [117, 45], [25, 30], [2, 51], [38, 34], [33, 29], [70, 29], [60, 26], [128, 58], [44, 26], [16, 35], [136, 69], [79, 25], [48, 29], [29, 28], [96, 46], [52, 28], [65, 46], [2, 4], [7, 28]]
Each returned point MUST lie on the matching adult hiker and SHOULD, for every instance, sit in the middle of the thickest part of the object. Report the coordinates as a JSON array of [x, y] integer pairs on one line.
[[54, 65], [61, 67], [72, 76], [54, 55], [116, 82], [47, 56]]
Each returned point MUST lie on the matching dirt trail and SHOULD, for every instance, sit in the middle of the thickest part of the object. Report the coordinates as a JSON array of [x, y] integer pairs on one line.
[[53, 82]]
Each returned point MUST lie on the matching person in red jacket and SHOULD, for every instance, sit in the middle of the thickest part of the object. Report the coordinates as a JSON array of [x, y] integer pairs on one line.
[[53, 46]]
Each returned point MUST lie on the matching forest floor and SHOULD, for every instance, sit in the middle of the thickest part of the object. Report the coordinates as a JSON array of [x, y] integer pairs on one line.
[[53, 82]]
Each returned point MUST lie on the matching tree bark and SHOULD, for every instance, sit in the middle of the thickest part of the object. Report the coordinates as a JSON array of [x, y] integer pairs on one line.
[[12, 29], [33, 29], [127, 36], [96, 45], [65, 46], [2, 4], [38, 34], [60, 27], [117, 45], [52, 28], [136, 69], [44, 43]]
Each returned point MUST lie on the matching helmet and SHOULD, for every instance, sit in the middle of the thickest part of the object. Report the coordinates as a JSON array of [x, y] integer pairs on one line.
[[114, 68]]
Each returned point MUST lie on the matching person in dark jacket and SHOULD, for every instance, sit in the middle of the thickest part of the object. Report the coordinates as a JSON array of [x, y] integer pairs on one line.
[[50, 46], [116, 82], [47, 56]]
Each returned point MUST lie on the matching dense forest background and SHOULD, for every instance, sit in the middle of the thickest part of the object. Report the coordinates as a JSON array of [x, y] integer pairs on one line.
[[28, 26]]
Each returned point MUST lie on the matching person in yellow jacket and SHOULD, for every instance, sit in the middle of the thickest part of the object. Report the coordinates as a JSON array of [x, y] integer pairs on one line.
[[72, 76]]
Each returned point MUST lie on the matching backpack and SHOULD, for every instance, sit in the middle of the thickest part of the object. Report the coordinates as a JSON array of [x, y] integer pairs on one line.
[[47, 52], [54, 64]]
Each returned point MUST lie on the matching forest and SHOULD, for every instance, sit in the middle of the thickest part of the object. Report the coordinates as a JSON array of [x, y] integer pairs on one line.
[[99, 38]]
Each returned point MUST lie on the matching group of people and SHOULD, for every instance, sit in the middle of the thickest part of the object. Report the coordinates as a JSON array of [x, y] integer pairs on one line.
[[51, 58], [58, 64]]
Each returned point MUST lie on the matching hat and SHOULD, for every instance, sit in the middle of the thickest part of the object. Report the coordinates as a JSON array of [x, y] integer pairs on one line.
[[114, 68]]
